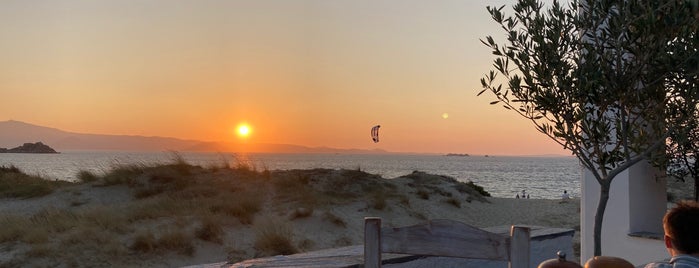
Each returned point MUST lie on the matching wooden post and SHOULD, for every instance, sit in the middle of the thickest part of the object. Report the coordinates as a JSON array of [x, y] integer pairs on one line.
[[372, 242], [519, 247]]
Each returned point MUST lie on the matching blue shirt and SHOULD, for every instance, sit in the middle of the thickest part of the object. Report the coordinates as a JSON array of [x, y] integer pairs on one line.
[[679, 261]]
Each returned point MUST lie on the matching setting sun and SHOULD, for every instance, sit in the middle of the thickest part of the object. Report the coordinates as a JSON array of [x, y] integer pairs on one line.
[[243, 130]]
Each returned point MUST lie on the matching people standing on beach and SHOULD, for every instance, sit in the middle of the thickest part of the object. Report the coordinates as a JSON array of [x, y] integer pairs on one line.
[[681, 236], [565, 195]]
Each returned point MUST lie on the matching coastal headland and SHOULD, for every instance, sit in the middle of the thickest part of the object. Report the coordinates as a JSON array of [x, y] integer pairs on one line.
[[178, 214], [30, 148]]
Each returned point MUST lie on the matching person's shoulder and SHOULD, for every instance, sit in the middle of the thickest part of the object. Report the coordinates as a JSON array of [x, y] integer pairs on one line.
[[685, 261], [658, 265]]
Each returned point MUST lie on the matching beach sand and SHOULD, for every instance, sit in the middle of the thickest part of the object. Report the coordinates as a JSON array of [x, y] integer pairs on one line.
[[312, 221]]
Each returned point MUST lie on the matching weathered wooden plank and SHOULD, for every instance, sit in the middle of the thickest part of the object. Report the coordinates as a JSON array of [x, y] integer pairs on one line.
[[351, 256], [324, 262], [372, 242], [519, 247], [445, 238]]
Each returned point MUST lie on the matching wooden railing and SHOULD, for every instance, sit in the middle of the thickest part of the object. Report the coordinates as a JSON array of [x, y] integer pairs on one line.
[[445, 238]]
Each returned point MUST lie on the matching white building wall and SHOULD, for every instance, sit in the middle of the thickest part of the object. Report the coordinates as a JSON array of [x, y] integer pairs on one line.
[[641, 194]]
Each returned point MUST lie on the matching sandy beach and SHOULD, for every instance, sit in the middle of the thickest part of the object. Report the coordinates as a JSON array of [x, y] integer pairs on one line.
[[155, 216]]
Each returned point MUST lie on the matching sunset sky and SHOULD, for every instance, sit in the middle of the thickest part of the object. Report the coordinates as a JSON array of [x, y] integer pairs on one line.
[[306, 72]]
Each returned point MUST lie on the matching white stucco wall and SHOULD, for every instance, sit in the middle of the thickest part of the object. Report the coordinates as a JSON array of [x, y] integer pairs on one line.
[[637, 192]]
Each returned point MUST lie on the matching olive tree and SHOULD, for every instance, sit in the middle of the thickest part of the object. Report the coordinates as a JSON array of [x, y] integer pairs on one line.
[[596, 77], [682, 154]]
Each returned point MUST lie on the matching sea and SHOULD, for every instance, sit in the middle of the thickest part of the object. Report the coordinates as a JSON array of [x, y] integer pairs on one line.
[[501, 176]]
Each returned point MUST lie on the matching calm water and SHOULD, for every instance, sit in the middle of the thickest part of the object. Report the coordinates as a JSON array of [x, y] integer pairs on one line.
[[541, 177]]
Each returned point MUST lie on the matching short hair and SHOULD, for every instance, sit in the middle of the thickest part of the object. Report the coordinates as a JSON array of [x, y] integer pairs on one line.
[[681, 224]]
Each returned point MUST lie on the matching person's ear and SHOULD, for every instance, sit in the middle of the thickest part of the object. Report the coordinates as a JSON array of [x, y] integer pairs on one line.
[[668, 242]]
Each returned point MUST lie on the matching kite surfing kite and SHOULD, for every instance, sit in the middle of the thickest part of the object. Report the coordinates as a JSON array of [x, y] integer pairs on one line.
[[375, 133]]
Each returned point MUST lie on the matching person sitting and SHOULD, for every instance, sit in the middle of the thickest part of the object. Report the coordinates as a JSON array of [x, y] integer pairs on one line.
[[681, 236]]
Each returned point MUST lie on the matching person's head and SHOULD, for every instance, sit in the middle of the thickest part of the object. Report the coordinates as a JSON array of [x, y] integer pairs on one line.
[[681, 232]]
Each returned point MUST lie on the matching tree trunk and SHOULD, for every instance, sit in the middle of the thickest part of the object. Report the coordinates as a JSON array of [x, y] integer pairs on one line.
[[696, 189], [599, 216]]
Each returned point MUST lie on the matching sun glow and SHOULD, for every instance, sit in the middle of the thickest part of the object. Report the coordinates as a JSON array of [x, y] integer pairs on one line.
[[243, 130]]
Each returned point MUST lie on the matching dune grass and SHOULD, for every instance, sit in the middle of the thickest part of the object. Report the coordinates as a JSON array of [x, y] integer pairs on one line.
[[210, 230], [274, 236], [16, 184], [176, 205]]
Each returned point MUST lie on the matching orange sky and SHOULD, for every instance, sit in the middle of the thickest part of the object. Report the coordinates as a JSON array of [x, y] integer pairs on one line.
[[314, 73]]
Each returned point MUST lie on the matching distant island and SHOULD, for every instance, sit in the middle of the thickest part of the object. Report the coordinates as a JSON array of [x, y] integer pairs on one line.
[[16, 132], [30, 148], [458, 155]]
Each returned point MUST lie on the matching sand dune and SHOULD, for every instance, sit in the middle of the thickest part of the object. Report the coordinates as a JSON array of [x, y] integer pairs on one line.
[[178, 215]]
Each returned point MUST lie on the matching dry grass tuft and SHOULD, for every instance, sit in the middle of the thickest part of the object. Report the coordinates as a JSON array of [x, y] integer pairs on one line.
[[40, 251], [55, 220], [274, 237], [144, 242], [334, 219], [170, 240], [178, 241], [243, 206], [122, 174], [301, 213], [423, 194], [453, 201], [378, 200], [16, 184], [13, 228], [85, 176], [343, 242], [210, 230]]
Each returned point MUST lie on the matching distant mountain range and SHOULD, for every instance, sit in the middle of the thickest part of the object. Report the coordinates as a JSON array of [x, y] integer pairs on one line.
[[13, 133]]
